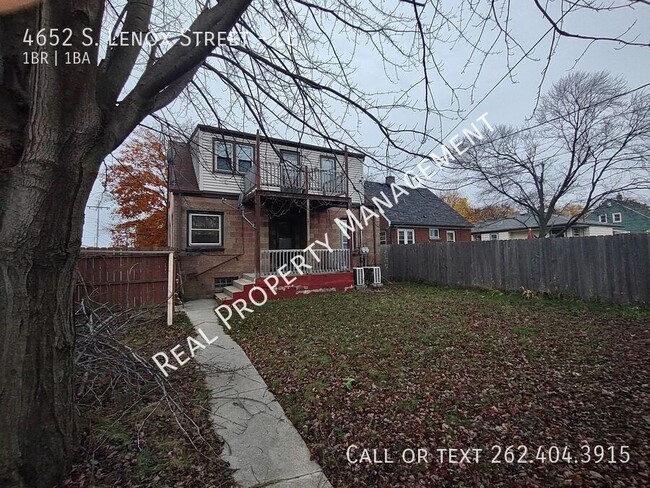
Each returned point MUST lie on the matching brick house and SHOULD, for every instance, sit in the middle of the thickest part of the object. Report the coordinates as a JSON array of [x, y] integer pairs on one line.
[[240, 206], [419, 216]]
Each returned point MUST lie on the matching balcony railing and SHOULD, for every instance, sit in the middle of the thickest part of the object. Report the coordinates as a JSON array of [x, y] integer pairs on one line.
[[290, 179], [324, 262]]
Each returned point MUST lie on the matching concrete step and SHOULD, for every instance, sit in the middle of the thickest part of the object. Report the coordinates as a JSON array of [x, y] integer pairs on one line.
[[241, 283], [249, 276], [231, 290], [220, 297]]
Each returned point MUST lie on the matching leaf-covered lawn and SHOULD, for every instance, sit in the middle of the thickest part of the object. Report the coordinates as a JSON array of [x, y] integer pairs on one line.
[[415, 366]]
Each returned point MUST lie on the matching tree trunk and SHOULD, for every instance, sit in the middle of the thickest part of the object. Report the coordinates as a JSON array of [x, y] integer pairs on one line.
[[40, 240]]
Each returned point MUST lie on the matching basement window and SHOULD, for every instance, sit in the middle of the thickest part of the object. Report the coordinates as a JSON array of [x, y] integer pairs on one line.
[[222, 282]]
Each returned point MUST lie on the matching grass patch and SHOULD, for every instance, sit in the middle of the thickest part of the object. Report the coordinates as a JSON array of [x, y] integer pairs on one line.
[[439, 367]]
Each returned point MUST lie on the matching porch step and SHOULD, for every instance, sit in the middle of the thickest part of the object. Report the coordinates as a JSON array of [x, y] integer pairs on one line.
[[221, 297], [241, 283], [231, 290], [249, 276]]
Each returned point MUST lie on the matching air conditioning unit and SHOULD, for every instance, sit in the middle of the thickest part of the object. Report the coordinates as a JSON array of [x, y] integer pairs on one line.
[[359, 278], [367, 276]]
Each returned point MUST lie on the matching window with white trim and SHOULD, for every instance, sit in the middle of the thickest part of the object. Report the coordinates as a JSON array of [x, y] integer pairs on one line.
[[244, 157], [382, 237], [205, 229], [434, 233], [575, 232], [451, 236], [222, 155], [405, 236], [494, 237], [602, 218], [617, 217]]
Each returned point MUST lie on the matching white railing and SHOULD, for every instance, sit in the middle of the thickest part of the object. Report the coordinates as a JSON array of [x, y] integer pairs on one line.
[[324, 261]]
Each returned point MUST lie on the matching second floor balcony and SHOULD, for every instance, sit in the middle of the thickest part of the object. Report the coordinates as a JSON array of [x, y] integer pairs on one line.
[[291, 179]]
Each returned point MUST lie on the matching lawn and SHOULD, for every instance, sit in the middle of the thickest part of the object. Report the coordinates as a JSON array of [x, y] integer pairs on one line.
[[419, 367]]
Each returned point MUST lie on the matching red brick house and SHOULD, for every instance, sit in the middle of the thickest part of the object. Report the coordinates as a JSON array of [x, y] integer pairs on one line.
[[419, 216], [241, 205]]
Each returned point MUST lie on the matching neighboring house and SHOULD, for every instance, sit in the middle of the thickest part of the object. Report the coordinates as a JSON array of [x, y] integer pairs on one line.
[[629, 215], [524, 226], [419, 216], [240, 207]]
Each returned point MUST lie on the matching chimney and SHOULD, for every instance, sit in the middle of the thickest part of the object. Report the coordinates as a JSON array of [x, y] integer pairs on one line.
[[619, 197], [390, 180]]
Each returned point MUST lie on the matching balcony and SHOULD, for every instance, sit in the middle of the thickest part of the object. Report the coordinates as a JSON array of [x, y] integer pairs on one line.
[[305, 180]]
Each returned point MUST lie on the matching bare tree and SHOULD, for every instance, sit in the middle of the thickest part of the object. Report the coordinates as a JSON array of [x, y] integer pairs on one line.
[[74, 84], [590, 138]]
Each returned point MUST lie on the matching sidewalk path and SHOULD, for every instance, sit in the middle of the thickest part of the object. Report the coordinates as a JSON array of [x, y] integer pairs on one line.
[[260, 442]]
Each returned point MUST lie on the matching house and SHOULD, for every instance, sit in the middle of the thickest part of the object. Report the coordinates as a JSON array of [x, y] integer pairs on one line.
[[629, 215], [524, 226], [241, 206], [419, 216]]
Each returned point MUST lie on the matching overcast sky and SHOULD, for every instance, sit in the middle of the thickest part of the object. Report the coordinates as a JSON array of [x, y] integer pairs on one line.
[[510, 103]]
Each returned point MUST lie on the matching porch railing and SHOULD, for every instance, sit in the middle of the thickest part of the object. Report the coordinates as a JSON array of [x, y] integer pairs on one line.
[[304, 179], [324, 261]]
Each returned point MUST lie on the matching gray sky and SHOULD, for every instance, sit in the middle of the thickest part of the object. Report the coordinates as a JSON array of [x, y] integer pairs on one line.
[[511, 102]]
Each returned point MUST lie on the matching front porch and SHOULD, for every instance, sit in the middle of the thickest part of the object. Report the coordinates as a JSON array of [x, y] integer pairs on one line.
[[316, 261]]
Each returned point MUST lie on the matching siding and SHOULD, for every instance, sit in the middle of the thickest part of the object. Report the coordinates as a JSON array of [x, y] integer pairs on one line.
[[210, 180], [595, 230]]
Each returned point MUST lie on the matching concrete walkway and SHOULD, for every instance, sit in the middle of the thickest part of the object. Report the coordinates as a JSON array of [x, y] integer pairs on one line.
[[260, 442]]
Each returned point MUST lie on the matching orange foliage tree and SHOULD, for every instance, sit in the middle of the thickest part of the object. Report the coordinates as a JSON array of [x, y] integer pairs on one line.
[[460, 204], [137, 182]]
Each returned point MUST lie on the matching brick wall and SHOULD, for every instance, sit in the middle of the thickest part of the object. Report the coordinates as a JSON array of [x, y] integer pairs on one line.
[[422, 234], [200, 267]]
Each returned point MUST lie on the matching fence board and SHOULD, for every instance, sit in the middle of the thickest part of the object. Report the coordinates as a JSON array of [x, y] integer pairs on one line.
[[122, 278], [613, 268]]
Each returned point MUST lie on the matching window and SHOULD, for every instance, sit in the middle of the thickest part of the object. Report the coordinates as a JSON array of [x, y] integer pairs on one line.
[[451, 236], [434, 234], [405, 236], [476, 237], [221, 283], [222, 156], [602, 218], [617, 217], [575, 232], [494, 237], [205, 229], [244, 158], [382, 237]]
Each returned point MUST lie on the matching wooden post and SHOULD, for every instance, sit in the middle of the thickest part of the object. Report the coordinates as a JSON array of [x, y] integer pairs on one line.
[[347, 193], [258, 208], [170, 288], [308, 221]]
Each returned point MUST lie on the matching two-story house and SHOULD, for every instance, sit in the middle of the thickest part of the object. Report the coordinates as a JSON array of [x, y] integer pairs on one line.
[[242, 205], [629, 215]]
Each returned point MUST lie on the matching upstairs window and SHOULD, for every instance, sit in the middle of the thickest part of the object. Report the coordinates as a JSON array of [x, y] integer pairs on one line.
[[602, 218], [244, 158], [617, 217], [222, 156]]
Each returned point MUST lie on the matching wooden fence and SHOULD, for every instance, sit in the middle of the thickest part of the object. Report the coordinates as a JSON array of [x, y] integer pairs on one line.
[[124, 278], [613, 268]]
